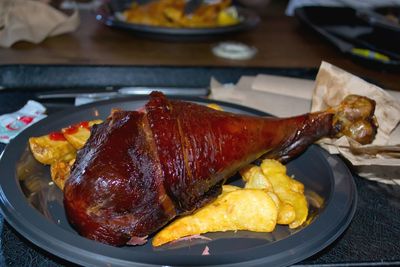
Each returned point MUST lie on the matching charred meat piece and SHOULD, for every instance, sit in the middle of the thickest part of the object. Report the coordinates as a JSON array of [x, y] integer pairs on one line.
[[139, 170]]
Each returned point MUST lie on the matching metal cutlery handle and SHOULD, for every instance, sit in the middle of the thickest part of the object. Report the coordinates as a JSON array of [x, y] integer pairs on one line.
[[201, 91], [124, 91]]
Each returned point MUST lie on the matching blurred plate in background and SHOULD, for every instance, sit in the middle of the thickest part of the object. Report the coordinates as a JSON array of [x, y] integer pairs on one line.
[[110, 14]]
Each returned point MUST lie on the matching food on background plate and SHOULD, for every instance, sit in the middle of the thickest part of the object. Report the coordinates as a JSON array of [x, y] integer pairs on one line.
[[171, 13], [141, 169]]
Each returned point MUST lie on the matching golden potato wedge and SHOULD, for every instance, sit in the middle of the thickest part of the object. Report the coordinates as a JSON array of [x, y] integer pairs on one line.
[[173, 14], [286, 214], [229, 188], [47, 149], [235, 209], [60, 171], [78, 134], [255, 178], [215, 106], [288, 190], [227, 18]]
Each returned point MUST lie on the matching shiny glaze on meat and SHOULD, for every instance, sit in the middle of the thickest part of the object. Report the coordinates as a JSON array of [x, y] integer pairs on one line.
[[139, 170]]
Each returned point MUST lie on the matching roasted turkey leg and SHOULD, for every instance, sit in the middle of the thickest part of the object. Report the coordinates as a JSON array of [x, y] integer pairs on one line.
[[139, 170]]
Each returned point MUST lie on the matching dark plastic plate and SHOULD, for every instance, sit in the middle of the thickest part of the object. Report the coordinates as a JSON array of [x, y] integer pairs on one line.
[[107, 14], [32, 204]]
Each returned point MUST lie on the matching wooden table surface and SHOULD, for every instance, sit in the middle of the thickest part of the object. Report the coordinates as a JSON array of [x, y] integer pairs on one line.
[[281, 42]]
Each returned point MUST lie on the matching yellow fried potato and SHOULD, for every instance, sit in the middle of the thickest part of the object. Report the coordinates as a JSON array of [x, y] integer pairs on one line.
[[255, 178], [59, 149], [173, 14], [227, 17], [78, 134], [286, 214], [60, 172], [215, 106], [235, 209], [229, 188], [288, 190], [47, 150], [170, 13]]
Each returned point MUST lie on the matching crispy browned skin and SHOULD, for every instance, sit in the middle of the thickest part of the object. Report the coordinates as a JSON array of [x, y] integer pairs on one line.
[[139, 170]]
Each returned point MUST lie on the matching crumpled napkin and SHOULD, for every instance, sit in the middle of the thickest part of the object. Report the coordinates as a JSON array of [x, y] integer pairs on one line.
[[284, 96], [269, 93], [32, 21]]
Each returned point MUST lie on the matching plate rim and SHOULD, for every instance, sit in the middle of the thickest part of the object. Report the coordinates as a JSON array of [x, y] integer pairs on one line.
[[14, 218]]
